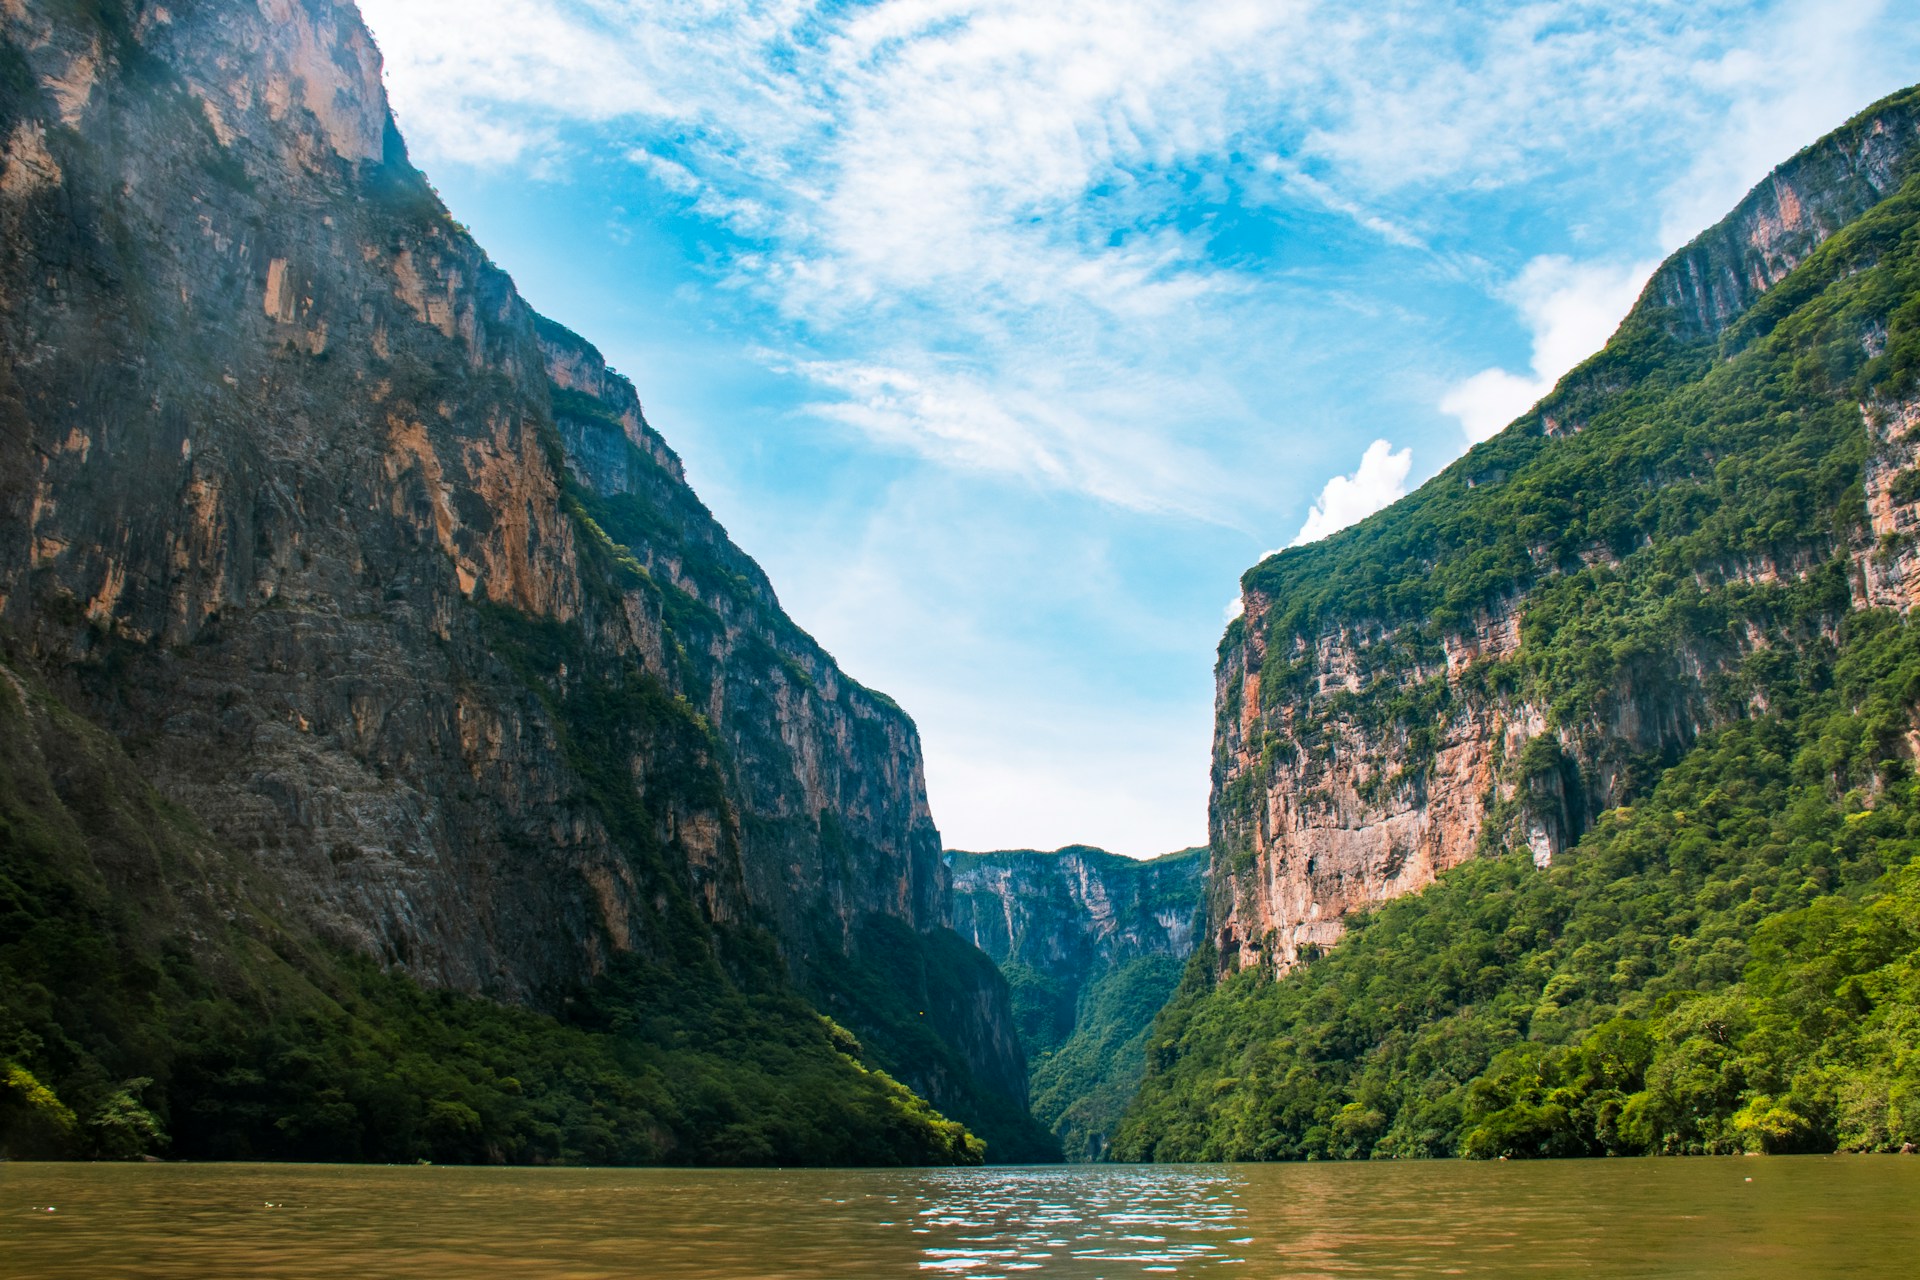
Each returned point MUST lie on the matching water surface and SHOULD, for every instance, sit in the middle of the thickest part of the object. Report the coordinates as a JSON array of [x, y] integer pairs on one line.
[[1757, 1219]]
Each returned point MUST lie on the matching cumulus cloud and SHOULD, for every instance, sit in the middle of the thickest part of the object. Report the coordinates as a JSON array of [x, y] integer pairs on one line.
[[1380, 478], [1572, 308]]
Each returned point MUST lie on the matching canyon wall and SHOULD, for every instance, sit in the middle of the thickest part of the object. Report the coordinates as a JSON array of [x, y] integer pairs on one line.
[[1093, 944], [1077, 909], [1380, 714], [386, 579]]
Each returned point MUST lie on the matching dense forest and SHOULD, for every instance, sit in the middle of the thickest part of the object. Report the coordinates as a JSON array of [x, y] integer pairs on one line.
[[1731, 964]]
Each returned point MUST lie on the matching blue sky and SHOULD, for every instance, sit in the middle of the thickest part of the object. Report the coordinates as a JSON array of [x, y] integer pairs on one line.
[[1007, 336]]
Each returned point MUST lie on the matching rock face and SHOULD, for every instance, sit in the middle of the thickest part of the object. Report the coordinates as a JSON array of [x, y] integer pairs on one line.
[[1360, 750], [1092, 944], [1887, 572], [1706, 285], [1076, 910], [384, 577]]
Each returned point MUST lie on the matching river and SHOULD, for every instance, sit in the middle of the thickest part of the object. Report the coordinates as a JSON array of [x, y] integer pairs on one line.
[[1806, 1218]]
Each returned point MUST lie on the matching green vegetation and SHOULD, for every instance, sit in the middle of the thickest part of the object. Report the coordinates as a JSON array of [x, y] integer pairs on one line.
[[915, 998], [136, 1020], [1731, 964], [1638, 510], [1082, 1088], [1726, 961]]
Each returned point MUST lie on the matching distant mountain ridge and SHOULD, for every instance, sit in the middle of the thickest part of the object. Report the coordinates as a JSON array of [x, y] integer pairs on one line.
[[1092, 944]]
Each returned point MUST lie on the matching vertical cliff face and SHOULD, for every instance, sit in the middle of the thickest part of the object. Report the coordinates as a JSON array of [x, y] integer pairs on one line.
[[1077, 909], [835, 845], [1093, 944], [827, 775], [381, 575], [1397, 698], [1713, 280]]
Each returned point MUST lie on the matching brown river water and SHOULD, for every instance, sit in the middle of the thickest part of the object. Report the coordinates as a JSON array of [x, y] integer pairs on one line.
[[1803, 1218]]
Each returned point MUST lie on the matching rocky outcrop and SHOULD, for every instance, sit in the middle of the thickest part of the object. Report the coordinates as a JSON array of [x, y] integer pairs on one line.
[[384, 577], [1887, 568], [1359, 752], [1322, 810]]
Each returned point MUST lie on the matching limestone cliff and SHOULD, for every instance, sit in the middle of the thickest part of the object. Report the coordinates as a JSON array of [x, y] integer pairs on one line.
[[1092, 944], [1382, 708], [387, 579], [1076, 909], [1716, 277]]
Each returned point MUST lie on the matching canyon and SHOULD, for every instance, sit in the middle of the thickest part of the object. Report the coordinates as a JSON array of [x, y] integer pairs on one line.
[[1092, 945], [398, 760]]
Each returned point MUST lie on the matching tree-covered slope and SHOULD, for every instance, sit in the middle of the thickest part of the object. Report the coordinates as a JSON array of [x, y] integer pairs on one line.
[[1731, 963], [1526, 640], [1694, 695]]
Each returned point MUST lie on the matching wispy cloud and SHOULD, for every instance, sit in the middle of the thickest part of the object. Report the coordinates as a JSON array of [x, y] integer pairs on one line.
[[1777, 88], [1019, 418], [995, 177]]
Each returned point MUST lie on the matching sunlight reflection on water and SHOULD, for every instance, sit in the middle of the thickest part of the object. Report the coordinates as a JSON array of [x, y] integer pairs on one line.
[[1773, 1219], [1150, 1221]]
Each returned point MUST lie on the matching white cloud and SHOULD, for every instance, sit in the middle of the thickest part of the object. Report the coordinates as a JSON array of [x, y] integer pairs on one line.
[[670, 174], [946, 418], [1380, 478], [1236, 607], [995, 177], [1011, 417], [1572, 309]]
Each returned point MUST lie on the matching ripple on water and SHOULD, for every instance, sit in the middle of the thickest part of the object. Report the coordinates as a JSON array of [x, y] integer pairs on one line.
[[1776, 1219], [1119, 1221]]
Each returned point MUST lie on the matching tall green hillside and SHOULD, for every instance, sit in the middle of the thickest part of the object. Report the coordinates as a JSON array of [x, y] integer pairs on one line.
[[1719, 518]]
